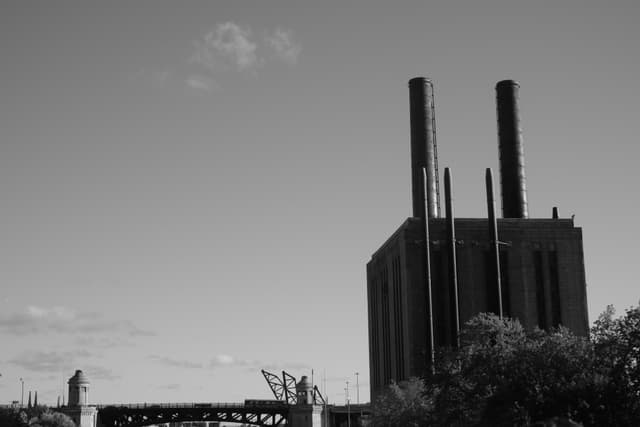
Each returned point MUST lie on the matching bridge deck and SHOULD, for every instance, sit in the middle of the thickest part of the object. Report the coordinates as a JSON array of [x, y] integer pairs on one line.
[[143, 414]]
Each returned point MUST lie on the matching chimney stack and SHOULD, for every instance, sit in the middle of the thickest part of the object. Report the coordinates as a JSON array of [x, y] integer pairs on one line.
[[512, 177], [423, 149]]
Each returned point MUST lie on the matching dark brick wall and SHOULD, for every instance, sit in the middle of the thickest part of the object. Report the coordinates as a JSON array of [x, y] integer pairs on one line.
[[542, 270]]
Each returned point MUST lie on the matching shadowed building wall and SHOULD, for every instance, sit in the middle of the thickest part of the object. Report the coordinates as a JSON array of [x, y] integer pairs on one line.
[[543, 285]]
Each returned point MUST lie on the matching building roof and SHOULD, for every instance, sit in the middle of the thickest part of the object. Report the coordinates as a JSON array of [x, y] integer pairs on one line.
[[79, 378]]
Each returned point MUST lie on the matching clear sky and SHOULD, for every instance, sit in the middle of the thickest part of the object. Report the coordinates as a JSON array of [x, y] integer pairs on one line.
[[191, 190]]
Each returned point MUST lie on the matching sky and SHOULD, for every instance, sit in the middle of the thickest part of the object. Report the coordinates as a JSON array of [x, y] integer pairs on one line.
[[190, 191]]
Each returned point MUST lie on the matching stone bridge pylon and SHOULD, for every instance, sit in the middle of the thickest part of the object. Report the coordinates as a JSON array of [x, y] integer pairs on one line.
[[78, 408]]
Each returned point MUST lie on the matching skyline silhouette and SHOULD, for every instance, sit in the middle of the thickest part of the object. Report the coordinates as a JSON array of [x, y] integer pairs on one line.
[[190, 193]]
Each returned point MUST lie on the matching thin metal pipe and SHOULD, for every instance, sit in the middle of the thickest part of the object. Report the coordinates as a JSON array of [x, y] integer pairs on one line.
[[493, 236], [453, 269], [431, 342]]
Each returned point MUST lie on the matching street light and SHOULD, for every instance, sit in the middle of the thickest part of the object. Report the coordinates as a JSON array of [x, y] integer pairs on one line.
[[346, 395], [22, 396]]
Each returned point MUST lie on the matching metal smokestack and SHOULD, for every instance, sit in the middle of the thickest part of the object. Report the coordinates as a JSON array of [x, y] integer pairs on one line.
[[512, 177], [424, 152]]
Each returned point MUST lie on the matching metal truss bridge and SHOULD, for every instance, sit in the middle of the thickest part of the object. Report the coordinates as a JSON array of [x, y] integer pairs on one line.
[[258, 413], [254, 412]]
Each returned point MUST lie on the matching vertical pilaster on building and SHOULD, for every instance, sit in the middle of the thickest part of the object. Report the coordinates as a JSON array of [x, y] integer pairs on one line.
[[305, 413], [78, 407]]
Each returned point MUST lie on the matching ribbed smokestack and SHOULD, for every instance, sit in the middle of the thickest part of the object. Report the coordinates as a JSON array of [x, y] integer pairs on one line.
[[512, 177], [424, 152]]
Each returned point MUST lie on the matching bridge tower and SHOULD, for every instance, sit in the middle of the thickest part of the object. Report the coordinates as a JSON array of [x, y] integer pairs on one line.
[[78, 407], [305, 413]]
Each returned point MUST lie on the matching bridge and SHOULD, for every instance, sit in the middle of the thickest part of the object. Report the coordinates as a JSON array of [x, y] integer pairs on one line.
[[296, 404], [265, 413], [256, 413]]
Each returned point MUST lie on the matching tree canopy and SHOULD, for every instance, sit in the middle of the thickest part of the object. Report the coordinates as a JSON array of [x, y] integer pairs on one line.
[[39, 416], [504, 375]]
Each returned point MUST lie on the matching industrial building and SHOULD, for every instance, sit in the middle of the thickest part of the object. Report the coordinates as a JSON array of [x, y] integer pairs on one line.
[[419, 295]]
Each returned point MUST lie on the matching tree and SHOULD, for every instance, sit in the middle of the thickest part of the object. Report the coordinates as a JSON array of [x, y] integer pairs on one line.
[[52, 419], [617, 348], [504, 375], [12, 417], [35, 417], [405, 404]]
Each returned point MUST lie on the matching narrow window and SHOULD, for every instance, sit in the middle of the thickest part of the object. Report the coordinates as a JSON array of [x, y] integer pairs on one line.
[[554, 281], [386, 326], [398, 323]]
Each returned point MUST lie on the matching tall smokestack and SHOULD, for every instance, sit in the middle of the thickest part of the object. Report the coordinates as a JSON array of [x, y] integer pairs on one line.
[[424, 152], [512, 177]]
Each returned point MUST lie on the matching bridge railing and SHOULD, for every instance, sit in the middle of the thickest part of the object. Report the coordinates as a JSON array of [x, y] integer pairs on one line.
[[169, 405]]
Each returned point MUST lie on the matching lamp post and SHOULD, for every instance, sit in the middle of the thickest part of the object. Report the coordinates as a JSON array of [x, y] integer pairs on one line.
[[346, 395], [22, 395], [346, 392]]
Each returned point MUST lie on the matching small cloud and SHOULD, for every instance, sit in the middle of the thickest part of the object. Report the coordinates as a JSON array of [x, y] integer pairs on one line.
[[48, 361], [176, 362], [38, 320], [229, 42], [225, 359], [200, 83], [102, 342], [281, 41], [289, 367], [99, 373], [135, 331], [253, 365]]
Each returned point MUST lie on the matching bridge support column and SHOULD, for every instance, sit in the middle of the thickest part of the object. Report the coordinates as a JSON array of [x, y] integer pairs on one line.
[[305, 413], [78, 408], [306, 416]]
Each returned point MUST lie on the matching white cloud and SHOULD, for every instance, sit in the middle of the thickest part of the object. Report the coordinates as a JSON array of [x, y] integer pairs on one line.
[[49, 361], [39, 320], [103, 342], [281, 41], [253, 365], [99, 373], [200, 83], [225, 359], [234, 41], [233, 46], [229, 42], [178, 363]]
